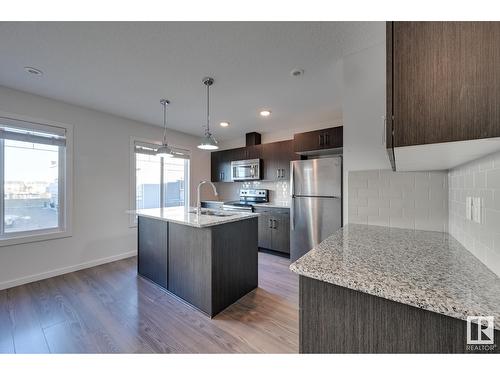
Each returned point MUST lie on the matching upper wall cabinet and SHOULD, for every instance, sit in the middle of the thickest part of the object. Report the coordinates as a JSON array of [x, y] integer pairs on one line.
[[317, 140], [443, 93]]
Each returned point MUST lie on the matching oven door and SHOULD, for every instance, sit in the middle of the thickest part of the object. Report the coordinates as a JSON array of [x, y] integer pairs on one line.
[[245, 170]]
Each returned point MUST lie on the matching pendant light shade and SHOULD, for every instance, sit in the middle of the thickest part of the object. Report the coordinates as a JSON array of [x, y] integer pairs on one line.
[[208, 142], [164, 150]]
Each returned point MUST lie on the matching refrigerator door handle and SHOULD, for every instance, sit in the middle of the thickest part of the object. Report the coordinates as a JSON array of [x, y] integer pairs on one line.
[[292, 216]]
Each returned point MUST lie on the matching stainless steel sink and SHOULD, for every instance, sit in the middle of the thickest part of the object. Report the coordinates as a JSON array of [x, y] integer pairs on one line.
[[213, 213]]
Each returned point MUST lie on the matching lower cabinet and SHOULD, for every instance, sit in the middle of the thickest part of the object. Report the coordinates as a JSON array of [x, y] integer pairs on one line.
[[274, 229], [152, 262]]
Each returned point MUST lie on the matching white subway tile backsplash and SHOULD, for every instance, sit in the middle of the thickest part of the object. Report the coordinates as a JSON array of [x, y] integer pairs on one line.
[[367, 211], [378, 202], [481, 239], [400, 199], [493, 179], [368, 193]]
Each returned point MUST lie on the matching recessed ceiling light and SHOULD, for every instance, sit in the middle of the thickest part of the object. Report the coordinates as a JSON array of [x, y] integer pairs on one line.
[[224, 124], [33, 71], [265, 113]]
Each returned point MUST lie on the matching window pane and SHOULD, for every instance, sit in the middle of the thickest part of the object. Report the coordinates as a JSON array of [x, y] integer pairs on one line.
[[148, 169], [174, 179], [31, 186]]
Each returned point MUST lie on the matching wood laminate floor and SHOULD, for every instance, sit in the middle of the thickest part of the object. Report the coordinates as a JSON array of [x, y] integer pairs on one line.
[[109, 309]]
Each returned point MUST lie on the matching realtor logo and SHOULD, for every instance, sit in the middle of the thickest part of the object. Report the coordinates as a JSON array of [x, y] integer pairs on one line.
[[483, 333]]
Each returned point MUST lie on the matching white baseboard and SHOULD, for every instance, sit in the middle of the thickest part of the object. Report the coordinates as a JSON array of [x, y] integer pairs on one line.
[[62, 271]]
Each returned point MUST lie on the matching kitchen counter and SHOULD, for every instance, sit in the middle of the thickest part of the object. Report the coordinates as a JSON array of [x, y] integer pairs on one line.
[[279, 204], [208, 261], [427, 270], [180, 215]]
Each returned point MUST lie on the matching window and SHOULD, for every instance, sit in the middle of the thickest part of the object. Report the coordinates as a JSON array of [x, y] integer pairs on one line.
[[160, 182], [33, 181]]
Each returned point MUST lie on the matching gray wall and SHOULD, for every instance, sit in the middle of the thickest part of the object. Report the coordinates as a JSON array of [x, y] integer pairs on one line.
[[415, 200], [480, 178]]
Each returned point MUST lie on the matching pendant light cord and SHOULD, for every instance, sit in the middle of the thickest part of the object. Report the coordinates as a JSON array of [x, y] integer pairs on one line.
[[208, 109], [165, 123]]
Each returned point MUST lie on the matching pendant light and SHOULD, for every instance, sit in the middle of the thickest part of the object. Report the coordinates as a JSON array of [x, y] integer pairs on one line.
[[164, 150], [208, 141]]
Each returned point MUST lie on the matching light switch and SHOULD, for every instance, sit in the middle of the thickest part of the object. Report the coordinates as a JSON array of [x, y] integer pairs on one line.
[[468, 208], [476, 209]]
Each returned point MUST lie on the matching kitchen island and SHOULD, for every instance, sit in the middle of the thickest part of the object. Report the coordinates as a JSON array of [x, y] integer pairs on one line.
[[208, 260], [373, 289]]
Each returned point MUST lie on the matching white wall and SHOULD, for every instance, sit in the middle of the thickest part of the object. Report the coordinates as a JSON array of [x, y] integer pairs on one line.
[[363, 107], [101, 189], [479, 178]]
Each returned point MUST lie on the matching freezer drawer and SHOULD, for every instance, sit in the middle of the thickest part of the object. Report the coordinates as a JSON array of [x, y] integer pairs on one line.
[[311, 221]]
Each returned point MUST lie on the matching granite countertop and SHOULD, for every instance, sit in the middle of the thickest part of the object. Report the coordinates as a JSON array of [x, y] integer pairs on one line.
[[180, 215], [278, 204], [428, 270]]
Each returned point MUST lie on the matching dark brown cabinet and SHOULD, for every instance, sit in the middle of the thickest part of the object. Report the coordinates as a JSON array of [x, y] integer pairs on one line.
[[152, 241], [443, 82], [318, 139], [274, 229], [276, 160]]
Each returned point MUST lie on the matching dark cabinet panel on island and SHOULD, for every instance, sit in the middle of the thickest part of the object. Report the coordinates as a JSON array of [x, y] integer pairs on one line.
[[152, 238]]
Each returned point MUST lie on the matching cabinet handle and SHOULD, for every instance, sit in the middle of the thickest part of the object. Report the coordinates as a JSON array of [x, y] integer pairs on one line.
[[384, 133], [275, 224], [277, 173], [321, 142], [271, 223], [327, 139]]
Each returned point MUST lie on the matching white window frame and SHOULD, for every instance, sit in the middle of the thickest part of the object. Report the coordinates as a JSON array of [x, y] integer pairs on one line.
[[65, 228], [133, 175]]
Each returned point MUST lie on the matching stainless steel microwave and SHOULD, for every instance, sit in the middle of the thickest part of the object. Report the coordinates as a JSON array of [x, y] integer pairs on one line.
[[245, 170]]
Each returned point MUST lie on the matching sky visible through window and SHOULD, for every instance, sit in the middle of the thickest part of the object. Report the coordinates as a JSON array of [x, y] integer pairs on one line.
[[30, 186]]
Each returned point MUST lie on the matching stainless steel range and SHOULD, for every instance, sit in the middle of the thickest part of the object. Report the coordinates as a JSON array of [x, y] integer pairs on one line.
[[248, 197]]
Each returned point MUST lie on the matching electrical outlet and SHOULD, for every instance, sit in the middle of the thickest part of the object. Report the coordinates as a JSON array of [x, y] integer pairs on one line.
[[468, 208], [476, 209]]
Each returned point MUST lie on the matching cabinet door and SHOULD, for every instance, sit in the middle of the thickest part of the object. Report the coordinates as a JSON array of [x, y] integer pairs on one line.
[[215, 167], [333, 137], [446, 81], [225, 159], [318, 139], [269, 162], [253, 152], [152, 247], [285, 154], [281, 233], [265, 229]]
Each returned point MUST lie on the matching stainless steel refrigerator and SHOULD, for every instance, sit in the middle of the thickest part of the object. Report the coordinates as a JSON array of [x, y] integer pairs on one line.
[[316, 209]]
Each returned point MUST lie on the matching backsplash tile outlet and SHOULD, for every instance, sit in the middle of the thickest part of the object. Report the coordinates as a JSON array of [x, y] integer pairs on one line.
[[479, 180]]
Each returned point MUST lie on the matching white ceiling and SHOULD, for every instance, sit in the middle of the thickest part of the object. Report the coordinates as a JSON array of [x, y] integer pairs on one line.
[[125, 68]]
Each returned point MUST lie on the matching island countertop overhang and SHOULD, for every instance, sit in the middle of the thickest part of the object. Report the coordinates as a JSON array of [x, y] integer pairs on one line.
[[182, 215]]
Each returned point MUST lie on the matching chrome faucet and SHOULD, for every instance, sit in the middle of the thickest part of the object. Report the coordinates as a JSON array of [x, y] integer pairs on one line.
[[198, 203]]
